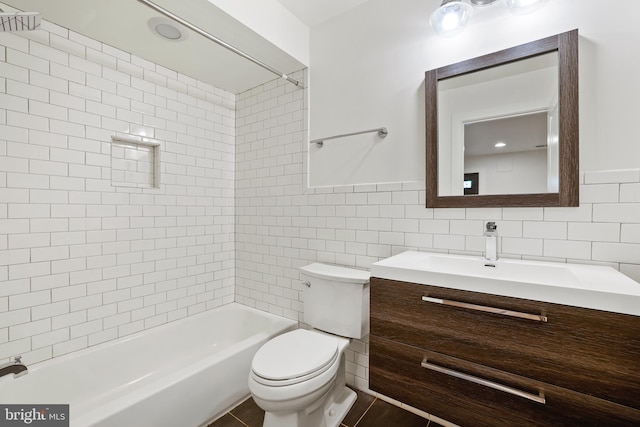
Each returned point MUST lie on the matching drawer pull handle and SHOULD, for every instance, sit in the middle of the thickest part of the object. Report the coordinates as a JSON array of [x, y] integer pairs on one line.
[[536, 317], [514, 391]]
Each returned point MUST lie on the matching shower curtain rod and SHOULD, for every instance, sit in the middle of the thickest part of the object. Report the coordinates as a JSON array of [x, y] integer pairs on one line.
[[216, 40]]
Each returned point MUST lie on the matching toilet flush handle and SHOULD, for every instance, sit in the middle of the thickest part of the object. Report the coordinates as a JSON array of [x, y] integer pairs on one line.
[[307, 284]]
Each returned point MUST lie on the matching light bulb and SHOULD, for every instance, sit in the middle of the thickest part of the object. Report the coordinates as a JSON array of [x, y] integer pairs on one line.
[[450, 18]]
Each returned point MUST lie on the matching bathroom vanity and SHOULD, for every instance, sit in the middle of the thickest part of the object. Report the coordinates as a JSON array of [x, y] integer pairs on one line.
[[519, 343]]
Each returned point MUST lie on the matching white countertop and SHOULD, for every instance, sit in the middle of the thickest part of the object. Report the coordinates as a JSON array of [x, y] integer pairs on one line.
[[587, 286]]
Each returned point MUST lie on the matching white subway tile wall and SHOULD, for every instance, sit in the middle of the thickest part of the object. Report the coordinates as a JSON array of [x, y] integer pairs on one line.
[[281, 225], [83, 261]]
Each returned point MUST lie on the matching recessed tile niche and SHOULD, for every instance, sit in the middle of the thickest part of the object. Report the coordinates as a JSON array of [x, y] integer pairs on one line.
[[135, 162]]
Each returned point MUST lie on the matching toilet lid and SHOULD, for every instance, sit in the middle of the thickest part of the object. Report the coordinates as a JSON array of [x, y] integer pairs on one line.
[[294, 354]]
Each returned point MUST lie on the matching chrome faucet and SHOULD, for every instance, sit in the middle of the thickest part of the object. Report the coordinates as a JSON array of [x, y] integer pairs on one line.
[[491, 242], [17, 368]]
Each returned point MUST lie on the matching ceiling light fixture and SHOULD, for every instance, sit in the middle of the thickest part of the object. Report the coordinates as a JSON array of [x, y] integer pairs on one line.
[[500, 145], [452, 16]]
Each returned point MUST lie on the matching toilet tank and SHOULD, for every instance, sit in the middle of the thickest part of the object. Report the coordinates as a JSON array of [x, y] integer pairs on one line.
[[336, 299]]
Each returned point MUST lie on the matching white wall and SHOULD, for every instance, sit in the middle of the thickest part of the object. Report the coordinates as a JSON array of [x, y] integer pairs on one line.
[[82, 261], [367, 70], [272, 21], [510, 173]]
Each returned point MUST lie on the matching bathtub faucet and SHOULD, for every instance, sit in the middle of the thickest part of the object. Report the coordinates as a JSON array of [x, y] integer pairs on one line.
[[17, 368]]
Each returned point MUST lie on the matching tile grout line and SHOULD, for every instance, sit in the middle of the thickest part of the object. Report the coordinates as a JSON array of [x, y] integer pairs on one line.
[[242, 422], [365, 412]]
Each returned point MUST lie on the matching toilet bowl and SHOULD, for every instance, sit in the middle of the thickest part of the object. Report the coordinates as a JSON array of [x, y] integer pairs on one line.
[[295, 370], [298, 378]]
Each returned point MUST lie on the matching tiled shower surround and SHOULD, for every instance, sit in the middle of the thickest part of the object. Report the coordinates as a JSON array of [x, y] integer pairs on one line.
[[82, 262]]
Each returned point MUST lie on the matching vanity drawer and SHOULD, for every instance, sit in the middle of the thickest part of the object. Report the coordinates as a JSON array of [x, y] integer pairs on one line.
[[396, 371], [594, 352]]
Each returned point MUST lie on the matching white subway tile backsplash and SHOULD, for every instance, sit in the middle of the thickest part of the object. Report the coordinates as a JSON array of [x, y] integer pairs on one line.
[[523, 214], [617, 213], [630, 193], [544, 229], [596, 232], [567, 249], [600, 193], [529, 247], [612, 176], [630, 233], [449, 241], [616, 252], [581, 213]]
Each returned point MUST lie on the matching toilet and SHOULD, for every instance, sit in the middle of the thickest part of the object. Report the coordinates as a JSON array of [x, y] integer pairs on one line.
[[298, 378]]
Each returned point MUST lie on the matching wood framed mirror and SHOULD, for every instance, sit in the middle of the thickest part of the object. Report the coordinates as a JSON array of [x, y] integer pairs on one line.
[[523, 101]]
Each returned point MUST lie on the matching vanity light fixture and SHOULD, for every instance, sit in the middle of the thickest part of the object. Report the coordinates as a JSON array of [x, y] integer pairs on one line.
[[452, 16]]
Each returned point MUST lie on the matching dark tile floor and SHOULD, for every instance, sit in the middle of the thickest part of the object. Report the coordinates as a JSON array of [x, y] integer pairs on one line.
[[368, 411]]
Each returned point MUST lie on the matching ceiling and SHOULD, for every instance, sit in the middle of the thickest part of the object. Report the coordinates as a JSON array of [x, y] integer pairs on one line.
[[123, 24], [480, 137], [314, 12]]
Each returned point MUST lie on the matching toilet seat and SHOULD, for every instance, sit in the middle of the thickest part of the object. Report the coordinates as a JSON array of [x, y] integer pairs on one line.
[[294, 357]]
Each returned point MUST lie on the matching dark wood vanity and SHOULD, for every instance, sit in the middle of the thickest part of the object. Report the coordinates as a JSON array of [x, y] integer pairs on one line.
[[477, 359]]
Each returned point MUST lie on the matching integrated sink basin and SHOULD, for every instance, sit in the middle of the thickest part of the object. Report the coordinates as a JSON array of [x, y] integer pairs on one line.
[[588, 286]]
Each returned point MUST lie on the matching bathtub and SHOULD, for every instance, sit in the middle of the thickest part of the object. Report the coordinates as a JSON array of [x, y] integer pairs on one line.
[[181, 374]]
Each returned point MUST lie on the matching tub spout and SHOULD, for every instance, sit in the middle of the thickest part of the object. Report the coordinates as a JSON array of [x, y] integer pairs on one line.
[[17, 368]]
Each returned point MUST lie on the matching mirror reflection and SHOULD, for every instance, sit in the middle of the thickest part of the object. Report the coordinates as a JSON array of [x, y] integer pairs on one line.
[[498, 130]]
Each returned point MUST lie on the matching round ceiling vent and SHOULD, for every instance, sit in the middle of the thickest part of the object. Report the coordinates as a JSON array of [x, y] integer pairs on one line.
[[167, 29]]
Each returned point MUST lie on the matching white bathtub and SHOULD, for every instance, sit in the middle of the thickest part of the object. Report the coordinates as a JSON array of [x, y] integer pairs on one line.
[[181, 374]]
